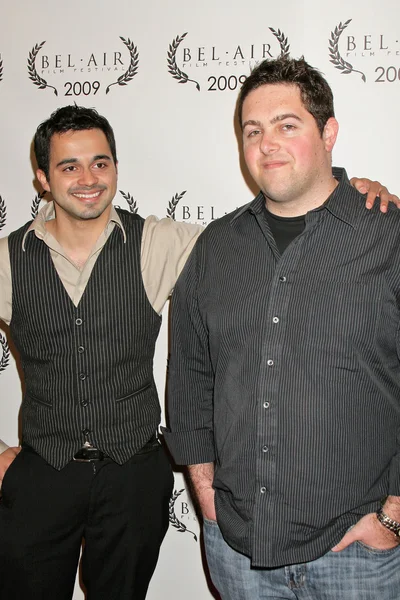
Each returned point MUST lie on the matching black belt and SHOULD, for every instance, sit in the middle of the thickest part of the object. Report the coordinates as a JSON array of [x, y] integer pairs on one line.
[[90, 454]]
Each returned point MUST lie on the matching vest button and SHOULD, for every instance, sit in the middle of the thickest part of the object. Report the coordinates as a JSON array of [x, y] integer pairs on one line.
[[81, 349], [78, 321], [84, 403], [82, 376], [86, 432]]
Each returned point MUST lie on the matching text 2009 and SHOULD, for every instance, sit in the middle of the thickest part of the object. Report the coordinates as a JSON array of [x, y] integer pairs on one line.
[[389, 74], [223, 83], [86, 88]]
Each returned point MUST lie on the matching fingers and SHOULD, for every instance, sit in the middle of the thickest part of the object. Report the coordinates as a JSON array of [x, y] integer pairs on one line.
[[361, 184], [344, 542], [374, 191]]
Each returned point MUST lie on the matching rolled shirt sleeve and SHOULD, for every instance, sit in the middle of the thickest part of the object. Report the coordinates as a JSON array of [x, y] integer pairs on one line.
[[190, 376], [3, 446], [5, 282], [166, 245]]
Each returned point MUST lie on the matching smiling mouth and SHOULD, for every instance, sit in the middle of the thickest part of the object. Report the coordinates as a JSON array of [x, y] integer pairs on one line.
[[84, 196]]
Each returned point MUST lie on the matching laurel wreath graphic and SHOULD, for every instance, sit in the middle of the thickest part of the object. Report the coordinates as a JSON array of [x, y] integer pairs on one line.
[[334, 53], [35, 204], [1, 68], [33, 74], [5, 359], [131, 202], [173, 519], [283, 42], [173, 68], [133, 65], [3, 213], [173, 203]]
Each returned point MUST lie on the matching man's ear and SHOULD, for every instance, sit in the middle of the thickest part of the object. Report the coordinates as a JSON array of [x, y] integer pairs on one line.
[[330, 133], [43, 180]]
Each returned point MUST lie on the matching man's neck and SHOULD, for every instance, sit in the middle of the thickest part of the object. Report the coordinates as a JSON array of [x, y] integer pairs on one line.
[[77, 237], [311, 200]]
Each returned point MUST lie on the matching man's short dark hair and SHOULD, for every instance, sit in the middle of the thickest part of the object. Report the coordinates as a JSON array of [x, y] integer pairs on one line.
[[315, 92], [69, 118]]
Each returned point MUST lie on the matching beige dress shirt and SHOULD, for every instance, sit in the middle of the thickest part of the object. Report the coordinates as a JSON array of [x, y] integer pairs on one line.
[[166, 245]]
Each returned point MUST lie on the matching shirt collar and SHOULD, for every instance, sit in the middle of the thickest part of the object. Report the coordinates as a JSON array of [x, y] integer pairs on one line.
[[342, 203], [47, 213]]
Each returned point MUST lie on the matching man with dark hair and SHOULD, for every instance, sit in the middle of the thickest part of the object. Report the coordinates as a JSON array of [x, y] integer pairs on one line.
[[67, 119], [284, 385], [82, 287]]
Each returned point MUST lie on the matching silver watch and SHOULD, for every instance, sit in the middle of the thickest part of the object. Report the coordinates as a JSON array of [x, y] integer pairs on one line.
[[391, 524]]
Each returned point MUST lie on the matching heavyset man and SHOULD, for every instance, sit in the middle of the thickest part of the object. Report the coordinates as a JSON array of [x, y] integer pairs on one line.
[[284, 387], [82, 287]]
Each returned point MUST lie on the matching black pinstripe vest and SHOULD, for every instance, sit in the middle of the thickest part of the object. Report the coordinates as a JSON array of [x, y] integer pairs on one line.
[[88, 369]]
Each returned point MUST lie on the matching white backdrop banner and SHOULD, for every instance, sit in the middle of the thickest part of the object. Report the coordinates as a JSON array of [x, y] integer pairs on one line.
[[167, 75]]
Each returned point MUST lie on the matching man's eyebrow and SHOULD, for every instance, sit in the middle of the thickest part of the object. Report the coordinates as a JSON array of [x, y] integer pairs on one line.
[[252, 122], [277, 119], [285, 116], [68, 161], [101, 157]]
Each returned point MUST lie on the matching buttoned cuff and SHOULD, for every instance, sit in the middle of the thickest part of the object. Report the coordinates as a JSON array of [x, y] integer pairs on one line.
[[190, 447], [3, 446]]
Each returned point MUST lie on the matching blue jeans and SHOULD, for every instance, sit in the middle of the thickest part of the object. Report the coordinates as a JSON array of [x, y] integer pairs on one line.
[[356, 573]]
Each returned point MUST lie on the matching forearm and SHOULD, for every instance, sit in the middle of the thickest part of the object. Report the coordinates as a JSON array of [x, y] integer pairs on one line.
[[391, 507], [201, 477]]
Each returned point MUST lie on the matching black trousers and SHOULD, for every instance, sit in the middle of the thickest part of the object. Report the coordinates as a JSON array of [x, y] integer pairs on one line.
[[121, 513]]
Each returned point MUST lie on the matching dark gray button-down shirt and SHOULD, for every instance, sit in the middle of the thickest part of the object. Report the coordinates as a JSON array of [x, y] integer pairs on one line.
[[285, 371]]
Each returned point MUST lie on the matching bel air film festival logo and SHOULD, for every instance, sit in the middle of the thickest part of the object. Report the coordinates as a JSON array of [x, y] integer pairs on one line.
[[180, 209], [4, 353], [373, 57], [181, 513], [82, 73], [229, 66]]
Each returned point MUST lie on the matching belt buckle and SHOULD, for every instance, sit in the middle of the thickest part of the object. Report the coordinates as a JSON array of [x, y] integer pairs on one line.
[[88, 454]]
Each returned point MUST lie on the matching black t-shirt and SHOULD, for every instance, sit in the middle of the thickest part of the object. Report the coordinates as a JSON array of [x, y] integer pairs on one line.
[[284, 229]]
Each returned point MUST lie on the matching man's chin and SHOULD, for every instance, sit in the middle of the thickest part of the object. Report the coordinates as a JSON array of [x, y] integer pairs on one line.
[[91, 212], [90, 215]]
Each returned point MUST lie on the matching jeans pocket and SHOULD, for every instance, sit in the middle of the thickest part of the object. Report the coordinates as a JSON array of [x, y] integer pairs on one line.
[[210, 522], [377, 551]]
